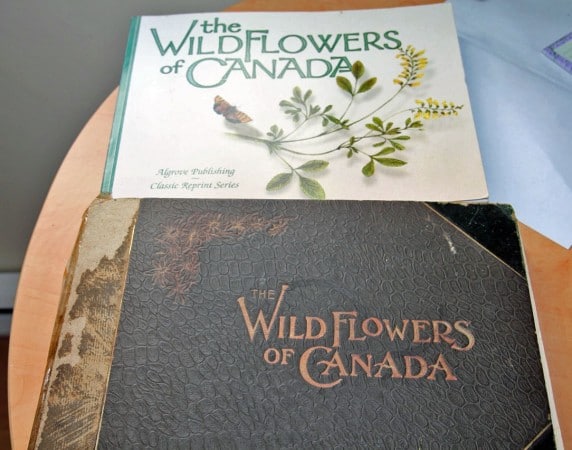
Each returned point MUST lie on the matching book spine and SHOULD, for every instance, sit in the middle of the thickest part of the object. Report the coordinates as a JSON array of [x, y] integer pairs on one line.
[[116, 130], [81, 351]]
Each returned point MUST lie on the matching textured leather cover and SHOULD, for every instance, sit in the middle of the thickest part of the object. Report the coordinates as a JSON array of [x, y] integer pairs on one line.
[[290, 324]]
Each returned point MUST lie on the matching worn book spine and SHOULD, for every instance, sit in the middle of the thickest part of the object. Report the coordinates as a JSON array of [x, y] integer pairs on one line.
[[71, 401]]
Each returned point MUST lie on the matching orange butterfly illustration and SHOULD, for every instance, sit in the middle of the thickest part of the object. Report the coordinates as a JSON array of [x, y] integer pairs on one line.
[[230, 113]]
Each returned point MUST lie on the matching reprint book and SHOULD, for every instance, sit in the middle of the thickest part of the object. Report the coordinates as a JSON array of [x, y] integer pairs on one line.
[[368, 104]]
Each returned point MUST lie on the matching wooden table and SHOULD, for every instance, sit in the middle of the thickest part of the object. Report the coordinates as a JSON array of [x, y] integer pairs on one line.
[[77, 183]]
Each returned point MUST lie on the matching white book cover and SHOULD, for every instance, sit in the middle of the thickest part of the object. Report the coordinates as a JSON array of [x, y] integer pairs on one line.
[[368, 104]]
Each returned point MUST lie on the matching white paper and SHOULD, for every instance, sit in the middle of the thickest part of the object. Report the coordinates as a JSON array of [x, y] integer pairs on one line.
[[172, 143]]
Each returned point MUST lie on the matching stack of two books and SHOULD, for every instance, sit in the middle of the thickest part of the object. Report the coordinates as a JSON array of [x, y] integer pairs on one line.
[[214, 303]]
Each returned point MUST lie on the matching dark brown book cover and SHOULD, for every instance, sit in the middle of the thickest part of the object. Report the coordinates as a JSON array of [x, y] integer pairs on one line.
[[295, 324]]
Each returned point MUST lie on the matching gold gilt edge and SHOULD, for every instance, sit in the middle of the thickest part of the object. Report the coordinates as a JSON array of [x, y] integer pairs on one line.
[[81, 351]]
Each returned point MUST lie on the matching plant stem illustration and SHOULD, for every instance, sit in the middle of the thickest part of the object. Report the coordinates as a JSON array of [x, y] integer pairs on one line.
[[374, 139]]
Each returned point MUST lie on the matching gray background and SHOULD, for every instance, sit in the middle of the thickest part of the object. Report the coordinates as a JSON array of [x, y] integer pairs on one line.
[[58, 61]]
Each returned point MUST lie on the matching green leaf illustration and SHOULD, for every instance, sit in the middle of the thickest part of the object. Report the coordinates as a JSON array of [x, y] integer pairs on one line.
[[345, 84], [314, 165], [275, 132], [396, 145], [385, 151], [367, 85], [287, 104], [333, 119], [312, 188], [390, 162], [377, 121], [369, 168], [358, 69], [279, 181], [297, 95]]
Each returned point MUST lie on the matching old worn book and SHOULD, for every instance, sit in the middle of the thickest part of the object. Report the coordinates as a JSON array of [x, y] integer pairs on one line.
[[285, 105], [292, 323]]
